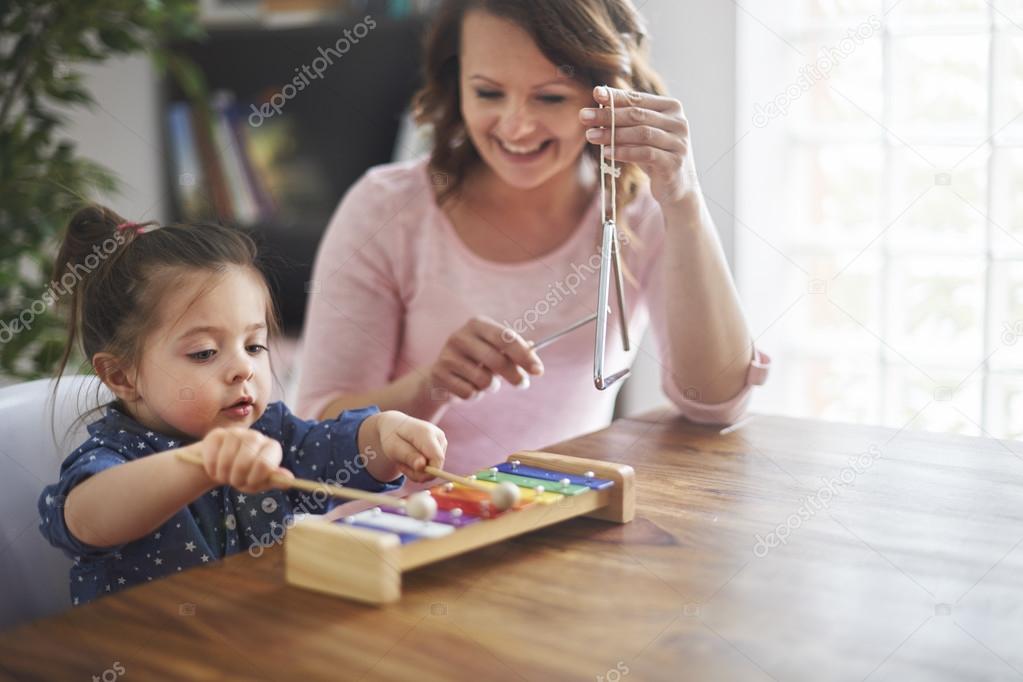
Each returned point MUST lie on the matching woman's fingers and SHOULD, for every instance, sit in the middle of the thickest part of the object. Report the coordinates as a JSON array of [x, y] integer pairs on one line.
[[638, 135], [478, 353], [456, 385], [631, 117], [632, 98], [482, 353], [509, 342], [645, 157], [464, 367]]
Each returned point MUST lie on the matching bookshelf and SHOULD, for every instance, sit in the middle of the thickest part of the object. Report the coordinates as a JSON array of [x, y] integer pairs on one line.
[[283, 175]]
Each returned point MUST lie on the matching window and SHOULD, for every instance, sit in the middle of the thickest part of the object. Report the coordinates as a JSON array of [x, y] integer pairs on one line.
[[879, 212]]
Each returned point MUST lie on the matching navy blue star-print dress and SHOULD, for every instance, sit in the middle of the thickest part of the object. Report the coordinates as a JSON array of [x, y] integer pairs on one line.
[[221, 522]]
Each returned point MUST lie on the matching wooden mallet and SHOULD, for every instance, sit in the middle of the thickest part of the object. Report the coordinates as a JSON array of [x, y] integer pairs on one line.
[[420, 505], [504, 496]]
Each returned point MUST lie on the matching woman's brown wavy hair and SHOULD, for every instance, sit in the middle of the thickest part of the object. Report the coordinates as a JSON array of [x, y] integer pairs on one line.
[[596, 42]]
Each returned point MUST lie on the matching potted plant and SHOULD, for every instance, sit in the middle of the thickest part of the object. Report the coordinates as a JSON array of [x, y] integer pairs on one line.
[[43, 44]]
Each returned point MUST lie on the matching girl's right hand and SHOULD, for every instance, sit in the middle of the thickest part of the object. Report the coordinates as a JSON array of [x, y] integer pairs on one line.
[[242, 458], [477, 353]]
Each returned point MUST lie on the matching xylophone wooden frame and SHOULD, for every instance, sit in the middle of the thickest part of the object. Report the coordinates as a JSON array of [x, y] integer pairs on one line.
[[367, 565]]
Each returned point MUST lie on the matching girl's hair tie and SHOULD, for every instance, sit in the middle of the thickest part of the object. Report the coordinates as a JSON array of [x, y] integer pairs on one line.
[[131, 225]]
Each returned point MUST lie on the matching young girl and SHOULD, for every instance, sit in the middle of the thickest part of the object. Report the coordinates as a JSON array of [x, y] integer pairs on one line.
[[175, 322]]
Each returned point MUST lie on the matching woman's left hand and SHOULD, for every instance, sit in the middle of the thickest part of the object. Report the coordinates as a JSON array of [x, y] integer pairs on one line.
[[652, 132]]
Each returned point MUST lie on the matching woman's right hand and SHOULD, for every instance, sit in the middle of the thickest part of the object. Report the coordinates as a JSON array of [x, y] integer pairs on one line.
[[477, 354], [242, 458]]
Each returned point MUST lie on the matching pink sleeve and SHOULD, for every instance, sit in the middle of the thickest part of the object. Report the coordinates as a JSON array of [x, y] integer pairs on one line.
[[354, 311], [727, 412]]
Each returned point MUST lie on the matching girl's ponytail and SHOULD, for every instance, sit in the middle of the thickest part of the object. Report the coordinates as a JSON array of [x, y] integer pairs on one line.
[[86, 235]]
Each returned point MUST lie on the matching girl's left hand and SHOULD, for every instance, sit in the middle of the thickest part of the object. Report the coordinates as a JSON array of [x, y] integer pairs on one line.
[[652, 132], [410, 443]]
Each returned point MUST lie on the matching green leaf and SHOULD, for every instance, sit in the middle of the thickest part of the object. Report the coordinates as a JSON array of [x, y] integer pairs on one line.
[[42, 176], [118, 39]]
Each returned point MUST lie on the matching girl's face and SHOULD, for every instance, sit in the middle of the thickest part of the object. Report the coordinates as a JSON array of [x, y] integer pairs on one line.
[[206, 364], [520, 110]]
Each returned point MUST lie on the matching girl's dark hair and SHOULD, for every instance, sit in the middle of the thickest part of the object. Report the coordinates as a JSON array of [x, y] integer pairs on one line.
[[113, 277], [596, 42]]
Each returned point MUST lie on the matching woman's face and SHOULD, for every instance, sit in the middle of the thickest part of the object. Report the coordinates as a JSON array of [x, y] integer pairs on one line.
[[520, 110]]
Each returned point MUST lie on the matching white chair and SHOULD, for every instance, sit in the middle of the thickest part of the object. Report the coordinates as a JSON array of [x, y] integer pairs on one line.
[[34, 440]]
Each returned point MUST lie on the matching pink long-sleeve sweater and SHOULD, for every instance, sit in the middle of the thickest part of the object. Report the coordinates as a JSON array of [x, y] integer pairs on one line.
[[392, 281]]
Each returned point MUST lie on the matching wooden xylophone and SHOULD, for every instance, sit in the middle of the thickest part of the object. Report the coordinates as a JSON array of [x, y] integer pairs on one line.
[[363, 556]]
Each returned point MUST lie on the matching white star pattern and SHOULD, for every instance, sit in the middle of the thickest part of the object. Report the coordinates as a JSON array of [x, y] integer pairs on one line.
[[222, 522]]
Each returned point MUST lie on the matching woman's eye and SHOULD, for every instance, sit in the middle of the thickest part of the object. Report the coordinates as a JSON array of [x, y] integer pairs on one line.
[[488, 94], [257, 348], [202, 355], [552, 99]]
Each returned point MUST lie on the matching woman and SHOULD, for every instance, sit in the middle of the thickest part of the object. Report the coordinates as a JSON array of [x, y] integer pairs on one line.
[[435, 275]]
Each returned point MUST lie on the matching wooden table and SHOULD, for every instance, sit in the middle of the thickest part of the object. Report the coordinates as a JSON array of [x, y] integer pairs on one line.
[[905, 565]]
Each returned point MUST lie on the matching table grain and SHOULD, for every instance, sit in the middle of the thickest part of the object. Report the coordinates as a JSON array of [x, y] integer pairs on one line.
[[789, 549]]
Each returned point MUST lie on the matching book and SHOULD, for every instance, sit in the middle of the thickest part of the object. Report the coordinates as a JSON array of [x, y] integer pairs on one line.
[[246, 210], [187, 175]]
